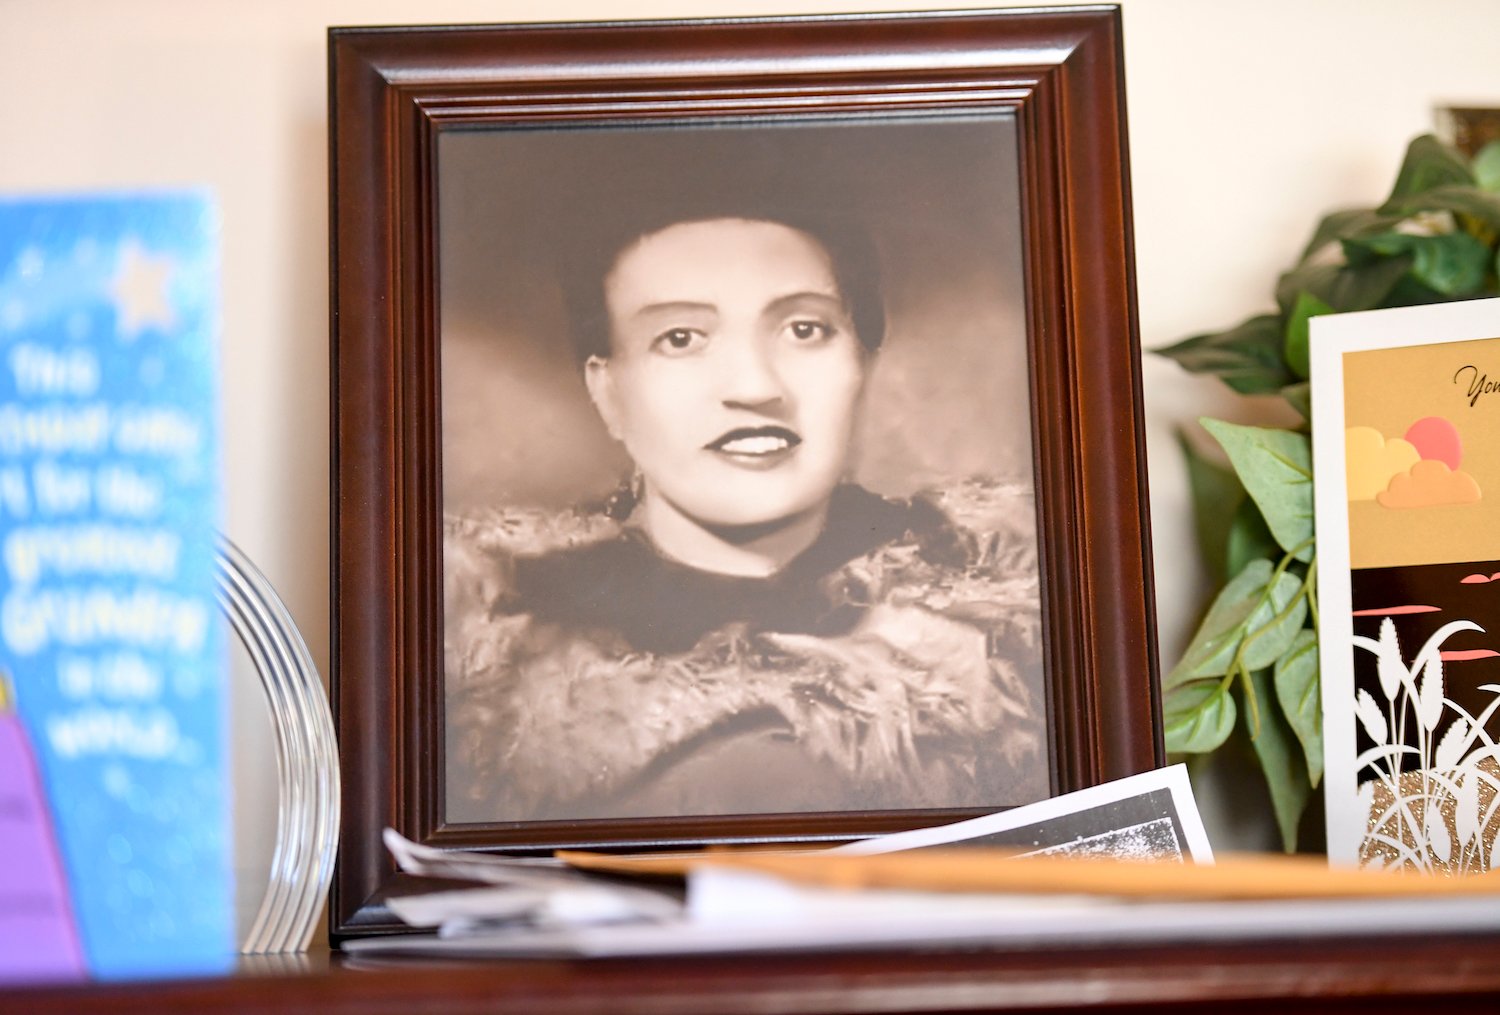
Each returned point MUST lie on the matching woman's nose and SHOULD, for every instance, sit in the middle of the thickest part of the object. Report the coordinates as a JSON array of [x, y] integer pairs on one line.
[[751, 377]]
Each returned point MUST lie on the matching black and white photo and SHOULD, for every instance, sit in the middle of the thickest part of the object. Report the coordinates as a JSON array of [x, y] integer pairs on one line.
[[739, 510]]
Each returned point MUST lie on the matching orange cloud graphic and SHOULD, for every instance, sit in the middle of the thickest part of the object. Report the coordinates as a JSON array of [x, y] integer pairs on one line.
[[1430, 484], [1370, 461]]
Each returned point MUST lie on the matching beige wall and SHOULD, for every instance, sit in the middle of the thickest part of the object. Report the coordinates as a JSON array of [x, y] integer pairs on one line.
[[1246, 121]]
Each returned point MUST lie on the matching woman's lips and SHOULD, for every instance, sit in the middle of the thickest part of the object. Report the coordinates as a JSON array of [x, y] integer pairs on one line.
[[755, 442]]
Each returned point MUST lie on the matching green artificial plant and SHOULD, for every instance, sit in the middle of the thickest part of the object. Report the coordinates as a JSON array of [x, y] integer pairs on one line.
[[1254, 658]]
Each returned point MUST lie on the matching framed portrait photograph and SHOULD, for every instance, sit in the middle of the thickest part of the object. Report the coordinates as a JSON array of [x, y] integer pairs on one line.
[[737, 431], [1406, 446]]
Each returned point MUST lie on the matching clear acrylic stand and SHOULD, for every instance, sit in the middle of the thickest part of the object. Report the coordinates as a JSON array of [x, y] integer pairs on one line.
[[307, 813]]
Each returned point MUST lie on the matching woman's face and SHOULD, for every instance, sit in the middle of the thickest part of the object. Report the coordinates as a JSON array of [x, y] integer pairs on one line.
[[734, 371]]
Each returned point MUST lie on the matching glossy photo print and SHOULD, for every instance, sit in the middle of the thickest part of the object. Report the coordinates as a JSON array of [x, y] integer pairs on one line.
[[739, 510], [1409, 548]]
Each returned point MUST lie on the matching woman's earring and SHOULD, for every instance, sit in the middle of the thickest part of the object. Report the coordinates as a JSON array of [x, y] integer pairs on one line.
[[626, 496]]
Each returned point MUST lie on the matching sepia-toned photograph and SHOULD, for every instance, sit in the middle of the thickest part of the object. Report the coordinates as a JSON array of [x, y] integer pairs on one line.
[[739, 507]]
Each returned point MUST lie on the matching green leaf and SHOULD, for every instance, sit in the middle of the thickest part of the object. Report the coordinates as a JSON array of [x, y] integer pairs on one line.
[[1248, 539], [1410, 293], [1299, 397], [1460, 199], [1305, 309], [1486, 166], [1276, 468], [1248, 357], [1452, 264], [1217, 492], [1251, 610], [1198, 718], [1429, 163], [1345, 288], [1281, 760], [1341, 225], [1273, 627], [1300, 695]]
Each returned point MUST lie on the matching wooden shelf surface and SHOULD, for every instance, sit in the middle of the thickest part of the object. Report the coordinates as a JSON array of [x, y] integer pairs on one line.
[[1383, 974]]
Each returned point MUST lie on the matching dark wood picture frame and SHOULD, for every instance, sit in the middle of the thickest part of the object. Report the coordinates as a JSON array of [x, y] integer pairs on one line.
[[394, 91]]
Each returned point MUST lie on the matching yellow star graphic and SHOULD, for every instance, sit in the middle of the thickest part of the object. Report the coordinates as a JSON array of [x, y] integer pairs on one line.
[[139, 290]]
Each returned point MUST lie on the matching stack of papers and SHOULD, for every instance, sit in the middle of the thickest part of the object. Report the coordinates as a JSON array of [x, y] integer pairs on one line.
[[929, 888]]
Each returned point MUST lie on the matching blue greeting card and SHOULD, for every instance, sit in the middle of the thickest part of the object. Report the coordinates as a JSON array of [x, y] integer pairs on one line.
[[114, 818]]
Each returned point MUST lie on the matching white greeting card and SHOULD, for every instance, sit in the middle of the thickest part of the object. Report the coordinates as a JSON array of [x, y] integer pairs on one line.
[[1406, 449]]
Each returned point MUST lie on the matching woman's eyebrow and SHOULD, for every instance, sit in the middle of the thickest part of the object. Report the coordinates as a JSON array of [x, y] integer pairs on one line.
[[672, 307], [792, 301]]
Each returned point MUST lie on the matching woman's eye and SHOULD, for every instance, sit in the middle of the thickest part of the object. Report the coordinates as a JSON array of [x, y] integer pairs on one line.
[[809, 331], [678, 340]]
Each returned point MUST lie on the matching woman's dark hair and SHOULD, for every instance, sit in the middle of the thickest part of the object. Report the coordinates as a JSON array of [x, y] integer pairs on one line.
[[584, 267]]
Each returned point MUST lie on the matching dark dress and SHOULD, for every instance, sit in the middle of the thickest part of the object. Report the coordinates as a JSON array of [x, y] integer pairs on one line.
[[890, 666]]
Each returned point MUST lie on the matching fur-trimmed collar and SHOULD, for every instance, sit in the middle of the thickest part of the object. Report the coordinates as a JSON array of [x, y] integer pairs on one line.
[[623, 587], [919, 685]]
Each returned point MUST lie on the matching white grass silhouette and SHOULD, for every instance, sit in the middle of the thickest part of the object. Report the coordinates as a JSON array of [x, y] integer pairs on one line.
[[1440, 815]]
